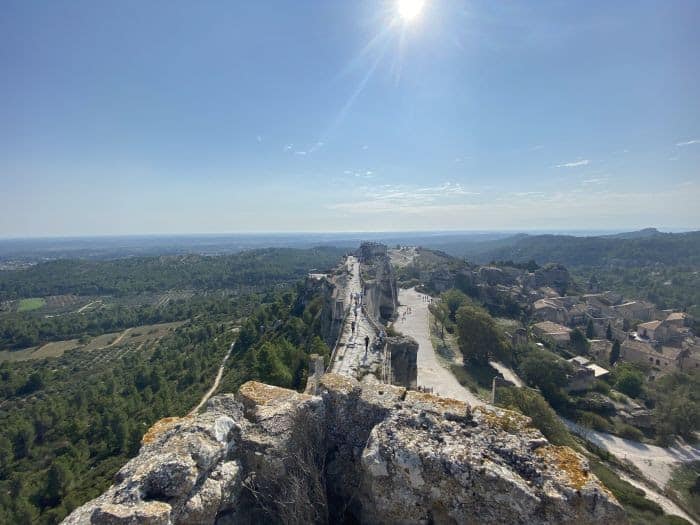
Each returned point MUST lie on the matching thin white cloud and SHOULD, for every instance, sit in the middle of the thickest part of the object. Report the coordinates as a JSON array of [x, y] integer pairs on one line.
[[688, 143], [389, 197], [574, 164], [258, 138], [601, 180], [300, 153]]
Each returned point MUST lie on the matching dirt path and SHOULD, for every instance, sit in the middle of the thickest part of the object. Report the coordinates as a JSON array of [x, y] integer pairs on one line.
[[656, 463], [217, 380], [665, 503], [431, 373], [82, 309], [507, 373], [118, 339]]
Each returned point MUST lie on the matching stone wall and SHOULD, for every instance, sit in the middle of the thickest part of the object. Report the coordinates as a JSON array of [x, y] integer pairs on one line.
[[354, 453], [404, 360]]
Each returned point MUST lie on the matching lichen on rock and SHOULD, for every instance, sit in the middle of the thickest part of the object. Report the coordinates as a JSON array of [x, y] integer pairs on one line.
[[364, 452]]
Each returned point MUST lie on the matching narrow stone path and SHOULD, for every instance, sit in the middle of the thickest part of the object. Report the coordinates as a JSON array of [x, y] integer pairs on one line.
[[431, 373], [350, 356]]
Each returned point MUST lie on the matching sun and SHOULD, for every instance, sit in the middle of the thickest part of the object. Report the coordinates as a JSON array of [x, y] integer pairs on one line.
[[409, 9]]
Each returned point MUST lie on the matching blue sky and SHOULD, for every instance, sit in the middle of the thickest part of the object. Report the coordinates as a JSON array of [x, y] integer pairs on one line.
[[336, 115]]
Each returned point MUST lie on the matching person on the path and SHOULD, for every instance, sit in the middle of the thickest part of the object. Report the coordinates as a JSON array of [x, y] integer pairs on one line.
[[352, 325], [366, 344]]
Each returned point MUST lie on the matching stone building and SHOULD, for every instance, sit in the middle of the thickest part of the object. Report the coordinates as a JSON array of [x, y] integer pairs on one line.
[[554, 333]]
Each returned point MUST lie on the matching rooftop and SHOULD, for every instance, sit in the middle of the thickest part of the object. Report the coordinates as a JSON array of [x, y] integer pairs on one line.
[[548, 327]]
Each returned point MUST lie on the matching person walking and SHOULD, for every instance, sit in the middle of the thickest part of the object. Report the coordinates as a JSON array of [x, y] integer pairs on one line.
[[366, 344], [352, 325]]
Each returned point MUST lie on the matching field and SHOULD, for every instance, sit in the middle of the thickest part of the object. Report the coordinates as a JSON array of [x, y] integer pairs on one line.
[[138, 334], [27, 305]]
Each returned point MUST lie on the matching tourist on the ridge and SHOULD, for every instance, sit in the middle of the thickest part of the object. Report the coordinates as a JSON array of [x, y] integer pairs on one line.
[[352, 325], [366, 344]]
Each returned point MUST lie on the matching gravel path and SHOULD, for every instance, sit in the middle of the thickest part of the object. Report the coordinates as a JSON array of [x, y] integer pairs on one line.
[[431, 373]]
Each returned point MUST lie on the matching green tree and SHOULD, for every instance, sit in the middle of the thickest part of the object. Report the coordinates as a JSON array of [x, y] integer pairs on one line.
[[579, 342], [270, 367], [442, 315], [615, 352], [319, 347], [547, 372], [454, 299], [630, 382], [59, 481], [6, 456], [478, 335], [24, 440], [677, 411], [590, 329]]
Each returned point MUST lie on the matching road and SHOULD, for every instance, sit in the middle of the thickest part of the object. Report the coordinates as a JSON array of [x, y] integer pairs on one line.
[[351, 358], [211, 391], [431, 373]]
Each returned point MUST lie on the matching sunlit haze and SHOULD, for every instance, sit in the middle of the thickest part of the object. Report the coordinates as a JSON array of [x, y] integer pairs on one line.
[[410, 9], [375, 115]]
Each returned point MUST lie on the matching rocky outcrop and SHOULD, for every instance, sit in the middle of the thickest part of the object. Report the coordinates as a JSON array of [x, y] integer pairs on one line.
[[380, 289], [403, 352], [555, 276], [324, 292], [368, 453]]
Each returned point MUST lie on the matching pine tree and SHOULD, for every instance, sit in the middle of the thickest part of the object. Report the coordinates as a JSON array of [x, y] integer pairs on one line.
[[590, 329], [615, 352]]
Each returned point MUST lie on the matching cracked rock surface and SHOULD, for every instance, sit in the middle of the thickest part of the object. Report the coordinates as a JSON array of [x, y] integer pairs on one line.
[[368, 453]]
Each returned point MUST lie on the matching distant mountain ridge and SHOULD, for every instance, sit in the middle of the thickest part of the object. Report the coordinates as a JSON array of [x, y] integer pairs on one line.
[[640, 248]]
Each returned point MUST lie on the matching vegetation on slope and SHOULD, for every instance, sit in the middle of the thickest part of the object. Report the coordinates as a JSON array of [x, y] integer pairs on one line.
[[151, 274]]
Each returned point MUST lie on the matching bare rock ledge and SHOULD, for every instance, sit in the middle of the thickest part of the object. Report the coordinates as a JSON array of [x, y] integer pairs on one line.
[[367, 453]]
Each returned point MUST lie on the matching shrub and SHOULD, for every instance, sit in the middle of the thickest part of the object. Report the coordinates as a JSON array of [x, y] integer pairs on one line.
[[533, 405], [625, 493], [601, 386], [594, 421], [629, 432], [547, 372], [630, 382]]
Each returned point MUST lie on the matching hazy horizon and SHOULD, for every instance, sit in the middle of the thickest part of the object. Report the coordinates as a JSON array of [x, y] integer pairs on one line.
[[136, 118], [573, 232]]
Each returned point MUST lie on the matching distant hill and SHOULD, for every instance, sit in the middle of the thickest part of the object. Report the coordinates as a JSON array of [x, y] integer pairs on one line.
[[641, 248], [639, 234]]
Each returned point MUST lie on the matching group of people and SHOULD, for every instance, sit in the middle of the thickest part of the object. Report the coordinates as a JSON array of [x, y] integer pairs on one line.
[[408, 311], [356, 298]]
